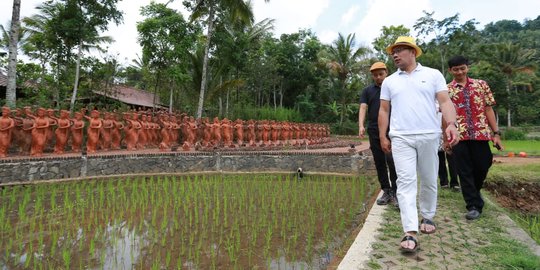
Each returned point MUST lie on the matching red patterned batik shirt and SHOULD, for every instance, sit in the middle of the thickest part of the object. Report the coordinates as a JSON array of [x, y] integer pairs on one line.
[[470, 102]]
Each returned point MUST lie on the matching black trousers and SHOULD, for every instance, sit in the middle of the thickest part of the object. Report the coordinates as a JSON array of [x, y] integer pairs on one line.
[[384, 163], [443, 172], [473, 160]]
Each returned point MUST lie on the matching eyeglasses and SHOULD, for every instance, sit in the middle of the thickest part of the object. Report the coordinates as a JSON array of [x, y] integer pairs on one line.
[[399, 49]]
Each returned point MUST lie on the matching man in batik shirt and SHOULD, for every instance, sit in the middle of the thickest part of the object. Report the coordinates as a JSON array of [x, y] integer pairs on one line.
[[476, 126]]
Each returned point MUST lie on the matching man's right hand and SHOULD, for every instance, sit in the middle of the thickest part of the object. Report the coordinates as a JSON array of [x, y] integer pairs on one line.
[[361, 132], [386, 145]]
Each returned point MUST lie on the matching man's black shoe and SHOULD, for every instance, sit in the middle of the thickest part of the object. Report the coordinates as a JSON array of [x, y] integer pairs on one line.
[[385, 198], [472, 214]]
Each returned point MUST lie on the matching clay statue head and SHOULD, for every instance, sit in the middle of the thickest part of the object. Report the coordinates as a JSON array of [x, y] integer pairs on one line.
[[64, 114], [6, 111], [94, 113], [41, 112]]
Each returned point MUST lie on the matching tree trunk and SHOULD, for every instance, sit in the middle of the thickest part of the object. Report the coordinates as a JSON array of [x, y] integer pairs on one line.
[[274, 93], [11, 90], [171, 98], [508, 114], [281, 95], [220, 105], [227, 104], [205, 61], [158, 79], [76, 84]]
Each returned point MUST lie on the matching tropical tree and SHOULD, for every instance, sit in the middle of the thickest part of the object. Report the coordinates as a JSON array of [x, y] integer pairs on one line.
[[427, 26], [512, 60], [343, 60], [236, 43], [11, 90], [238, 10], [79, 23], [166, 40], [43, 44], [388, 36]]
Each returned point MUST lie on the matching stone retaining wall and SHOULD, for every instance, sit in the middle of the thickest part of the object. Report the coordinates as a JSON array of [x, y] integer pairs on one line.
[[33, 169]]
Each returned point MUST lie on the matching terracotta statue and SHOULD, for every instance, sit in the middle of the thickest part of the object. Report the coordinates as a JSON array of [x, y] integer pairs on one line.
[[94, 127], [165, 134], [251, 135], [275, 129], [39, 133], [189, 127], [297, 133], [143, 132], [131, 133], [216, 132], [6, 126], [116, 132], [174, 130], [77, 132], [207, 132], [22, 138], [62, 132], [52, 124], [106, 130], [227, 132], [239, 131], [156, 130], [267, 128], [285, 131]]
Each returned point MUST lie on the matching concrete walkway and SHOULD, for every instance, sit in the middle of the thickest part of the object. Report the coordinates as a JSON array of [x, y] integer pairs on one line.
[[457, 244]]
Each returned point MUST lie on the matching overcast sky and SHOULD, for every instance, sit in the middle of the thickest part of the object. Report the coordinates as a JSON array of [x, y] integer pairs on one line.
[[326, 18]]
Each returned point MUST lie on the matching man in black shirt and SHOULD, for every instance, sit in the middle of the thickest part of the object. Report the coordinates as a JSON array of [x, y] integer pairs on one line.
[[370, 101]]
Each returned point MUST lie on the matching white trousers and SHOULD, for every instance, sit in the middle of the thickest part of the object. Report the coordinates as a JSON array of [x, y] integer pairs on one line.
[[416, 153]]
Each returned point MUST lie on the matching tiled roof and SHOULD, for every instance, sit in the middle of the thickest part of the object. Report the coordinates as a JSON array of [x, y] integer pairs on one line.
[[130, 95]]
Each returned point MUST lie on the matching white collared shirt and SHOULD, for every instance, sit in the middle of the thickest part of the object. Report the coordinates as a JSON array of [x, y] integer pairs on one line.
[[412, 97]]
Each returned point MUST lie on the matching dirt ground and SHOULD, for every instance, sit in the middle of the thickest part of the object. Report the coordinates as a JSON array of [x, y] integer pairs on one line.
[[519, 196]]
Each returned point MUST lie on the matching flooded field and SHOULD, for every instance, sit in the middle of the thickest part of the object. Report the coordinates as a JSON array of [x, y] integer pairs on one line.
[[253, 221]]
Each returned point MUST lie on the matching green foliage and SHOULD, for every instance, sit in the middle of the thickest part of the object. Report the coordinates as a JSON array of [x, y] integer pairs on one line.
[[513, 134], [388, 35], [347, 128], [268, 113]]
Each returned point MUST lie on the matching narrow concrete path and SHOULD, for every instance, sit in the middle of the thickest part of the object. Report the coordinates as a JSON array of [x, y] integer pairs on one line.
[[457, 244]]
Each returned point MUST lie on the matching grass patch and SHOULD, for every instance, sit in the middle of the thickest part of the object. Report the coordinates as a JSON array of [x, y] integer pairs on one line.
[[514, 172], [531, 147], [484, 239]]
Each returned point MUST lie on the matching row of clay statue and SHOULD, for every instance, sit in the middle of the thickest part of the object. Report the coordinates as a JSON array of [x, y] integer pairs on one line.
[[29, 132]]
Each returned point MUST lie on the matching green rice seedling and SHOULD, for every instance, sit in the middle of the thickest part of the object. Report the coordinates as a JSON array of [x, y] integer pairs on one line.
[[66, 255], [92, 248], [168, 259]]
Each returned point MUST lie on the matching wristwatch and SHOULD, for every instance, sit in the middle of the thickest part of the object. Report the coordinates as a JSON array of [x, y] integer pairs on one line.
[[498, 132], [454, 123]]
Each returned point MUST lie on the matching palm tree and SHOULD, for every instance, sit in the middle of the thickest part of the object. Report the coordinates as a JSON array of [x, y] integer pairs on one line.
[[344, 62], [238, 11], [40, 41], [11, 91], [512, 59]]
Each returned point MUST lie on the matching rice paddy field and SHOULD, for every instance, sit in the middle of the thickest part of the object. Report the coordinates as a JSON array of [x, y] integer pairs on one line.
[[249, 221]]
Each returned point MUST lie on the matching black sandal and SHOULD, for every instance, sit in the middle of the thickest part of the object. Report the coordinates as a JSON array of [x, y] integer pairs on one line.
[[426, 221], [409, 238]]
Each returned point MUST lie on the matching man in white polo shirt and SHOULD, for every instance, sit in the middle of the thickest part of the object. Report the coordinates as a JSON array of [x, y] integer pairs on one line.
[[414, 134]]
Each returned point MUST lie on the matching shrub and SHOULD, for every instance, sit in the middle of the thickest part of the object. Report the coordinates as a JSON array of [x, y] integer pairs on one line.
[[513, 134]]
